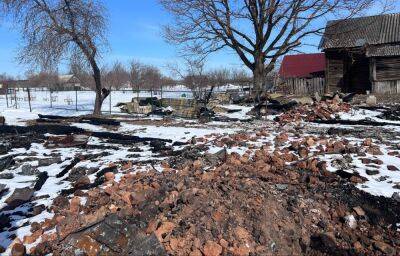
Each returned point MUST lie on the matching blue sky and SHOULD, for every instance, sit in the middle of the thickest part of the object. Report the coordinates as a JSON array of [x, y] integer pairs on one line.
[[134, 33]]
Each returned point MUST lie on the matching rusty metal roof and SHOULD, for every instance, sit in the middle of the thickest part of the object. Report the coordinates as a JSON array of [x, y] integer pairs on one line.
[[302, 65], [359, 32]]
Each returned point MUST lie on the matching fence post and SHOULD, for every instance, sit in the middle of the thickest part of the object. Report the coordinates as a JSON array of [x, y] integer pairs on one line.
[[7, 95], [29, 99], [51, 99], [110, 99], [76, 98], [15, 98]]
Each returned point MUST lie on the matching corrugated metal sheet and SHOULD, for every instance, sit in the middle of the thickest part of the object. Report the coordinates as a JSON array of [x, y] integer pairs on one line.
[[357, 32], [302, 65], [383, 50]]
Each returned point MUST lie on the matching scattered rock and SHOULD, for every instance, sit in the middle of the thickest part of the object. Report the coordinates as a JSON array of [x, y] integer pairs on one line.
[[212, 249], [396, 196], [372, 172], [49, 161], [6, 176], [281, 186], [18, 249], [75, 204], [371, 101], [82, 182], [19, 197], [392, 168], [384, 247], [359, 211], [28, 170], [77, 173], [109, 176], [6, 162], [114, 235], [351, 222], [3, 188]]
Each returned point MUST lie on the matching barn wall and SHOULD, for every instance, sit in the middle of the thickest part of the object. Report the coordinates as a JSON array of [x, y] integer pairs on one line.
[[304, 86], [387, 69], [334, 71], [386, 75]]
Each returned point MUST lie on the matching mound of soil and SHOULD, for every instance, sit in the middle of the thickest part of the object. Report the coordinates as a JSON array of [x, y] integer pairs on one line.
[[240, 206]]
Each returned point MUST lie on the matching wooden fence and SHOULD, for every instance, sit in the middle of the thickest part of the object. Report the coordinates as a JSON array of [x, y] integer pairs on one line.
[[304, 86]]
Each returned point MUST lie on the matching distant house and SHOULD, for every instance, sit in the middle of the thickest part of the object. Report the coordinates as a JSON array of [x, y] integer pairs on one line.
[[303, 73], [68, 82], [363, 54]]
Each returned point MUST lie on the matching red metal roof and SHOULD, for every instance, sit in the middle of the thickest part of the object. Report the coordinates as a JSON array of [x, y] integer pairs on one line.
[[302, 65]]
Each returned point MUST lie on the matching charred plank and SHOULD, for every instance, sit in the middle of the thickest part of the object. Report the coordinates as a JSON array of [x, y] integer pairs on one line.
[[354, 122], [64, 129]]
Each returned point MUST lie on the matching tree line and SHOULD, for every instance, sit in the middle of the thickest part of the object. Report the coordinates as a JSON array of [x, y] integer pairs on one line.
[[138, 76]]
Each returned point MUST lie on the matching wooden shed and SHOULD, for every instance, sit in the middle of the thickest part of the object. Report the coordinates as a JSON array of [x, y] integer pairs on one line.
[[363, 54]]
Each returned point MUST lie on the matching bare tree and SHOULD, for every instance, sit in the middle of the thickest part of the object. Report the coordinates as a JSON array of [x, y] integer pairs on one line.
[[135, 78], [83, 72], [5, 77], [54, 29], [146, 76], [193, 74], [258, 31], [116, 77], [151, 77], [240, 77], [219, 77], [49, 79]]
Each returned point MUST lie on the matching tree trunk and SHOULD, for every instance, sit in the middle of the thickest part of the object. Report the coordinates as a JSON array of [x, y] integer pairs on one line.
[[258, 80], [258, 74], [99, 97]]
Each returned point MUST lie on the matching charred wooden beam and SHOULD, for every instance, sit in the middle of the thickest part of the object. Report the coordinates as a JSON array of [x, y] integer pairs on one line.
[[86, 119], [64, 130], [354, 122]]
